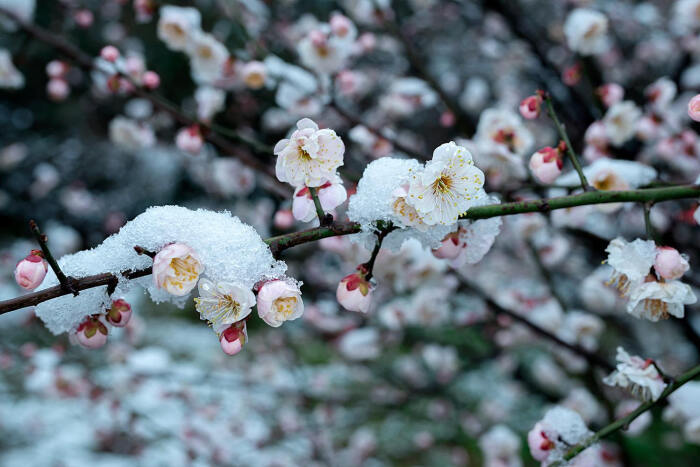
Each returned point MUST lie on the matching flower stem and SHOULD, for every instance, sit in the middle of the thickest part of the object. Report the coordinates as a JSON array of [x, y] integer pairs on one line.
[[564, 136], [651, 232], [42, 239], [625, 421], [381, 234], [323, 218]]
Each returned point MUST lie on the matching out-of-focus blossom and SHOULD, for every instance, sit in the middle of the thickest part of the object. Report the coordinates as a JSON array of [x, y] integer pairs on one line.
[[640, 377], [131, 134], [210, 101], [83, 18], [10, 77], [284, 219], [610, 94], [331, 195], [176, 268], [176, 26], [144, 9], [571, 74], [621, 122], [360, 344], [23, 9], [109, 53], [500, 447], [151, 79], [254, 74], [447, 187], [683, 410], [279, 301], [57, 89], [224, 302], [354, 292], [587, 31], [119, 313], [207, 58], [30, 272], [661, 93], [694, 108], [92, 333], [310, 156], [189, 139]]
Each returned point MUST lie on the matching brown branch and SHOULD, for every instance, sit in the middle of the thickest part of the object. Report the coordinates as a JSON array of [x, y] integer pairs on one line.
[[42, 239]]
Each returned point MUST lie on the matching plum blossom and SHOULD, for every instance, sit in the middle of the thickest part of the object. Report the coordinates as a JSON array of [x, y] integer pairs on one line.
[[10, 77], [279, 301], [224, 302], [610, 94], [176, 268], [130, 134], [530, 107], [670, 264], [331, 195], [254, 74], [91, 333], [694, 108], [57, 89], [176, 26], [654, 300], [620, 122], [546, 164], [30, 272], [448, 185], [354, 292], [500, 447], [661, 93], [119, 313], [324, 51], [232, 338], [360, 344], [189, 140], [587, 31], [631, 262], [683, 410], [407, 214], [639, 376], [210, 101], [552, 436], [310, 156], [207, 58]]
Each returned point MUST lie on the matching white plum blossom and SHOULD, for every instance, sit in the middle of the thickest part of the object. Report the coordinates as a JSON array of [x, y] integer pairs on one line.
[[640, 377], [554, 435], [360, 344], [447, 187], [130, 134], [407, 214], [310, 156], [210, 101], [661, 93], [620, 122], [176, 268], [631, 262], [279, 301], [324, 51], [176, 26], [223, 303], [500, 447], [10, 77], [587, 31], [23, 9], [406, 96], [654, 300], [207, 57], [684, 410]]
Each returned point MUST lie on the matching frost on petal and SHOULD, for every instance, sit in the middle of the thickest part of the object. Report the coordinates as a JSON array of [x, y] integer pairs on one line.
[[659, 300], [215, 236], [631, 261]]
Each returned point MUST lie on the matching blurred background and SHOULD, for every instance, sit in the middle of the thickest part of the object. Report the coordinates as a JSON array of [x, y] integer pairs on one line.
[[431, 376]]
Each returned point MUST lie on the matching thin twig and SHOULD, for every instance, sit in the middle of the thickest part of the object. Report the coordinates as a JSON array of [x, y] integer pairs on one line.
[[42, 239], [381, 235], [323, 218]]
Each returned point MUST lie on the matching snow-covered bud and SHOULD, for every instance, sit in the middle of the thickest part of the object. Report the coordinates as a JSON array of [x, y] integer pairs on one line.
[[279, 301], [341, 25], [176, 268], [546, 164], [92, 333], [450, 248], [572, 75], [254, 74], [354, 292], [610, 94], [109, 53], [190, 140], [530, 107], [30, 272], [233, 338], [331, 195], [83, 18], [119, 314], [284, 219], [540, 445], [151, 79], [694, 108], [56, 69], [57, 89], [669, 263]]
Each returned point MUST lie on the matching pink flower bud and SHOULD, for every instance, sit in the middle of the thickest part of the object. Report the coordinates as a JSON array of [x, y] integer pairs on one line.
[[254, 74], [340, 25], [572, 75], [91, 333], [190, 140], [694, 108], [610, 94], [669, 263], [596, 135], [30, 272], [546, 164], [83, 18], [119, 314], [367, 41], [176, 268], [450, 248], [151, 80], [530, 107], [447, 119], [354, 292], [540, 445], [57, 89], [56, 69], [109, 53], [233, 338], [279, 301], [284, 219]]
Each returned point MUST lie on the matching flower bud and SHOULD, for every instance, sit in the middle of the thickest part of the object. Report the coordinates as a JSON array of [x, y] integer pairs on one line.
[[119, 314], [284, 219], [540, 445], [83, 18], [340, 25], [669, 263], [56, 69], [279, 301], [151, 80], [694, 108], [572, 75], [233, 338], [530, 107], [354, 292], [176, 268], [57, 89], [546, 164], [254, 74], [450, 248], [109, 53], [610, 94], [91, 333], [30, 272], [189, 140]]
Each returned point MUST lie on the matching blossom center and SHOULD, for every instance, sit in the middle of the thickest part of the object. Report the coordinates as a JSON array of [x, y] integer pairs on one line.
[[443, 184], [285, 306]]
